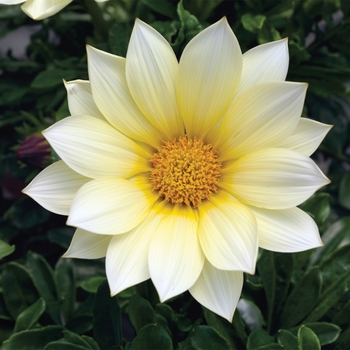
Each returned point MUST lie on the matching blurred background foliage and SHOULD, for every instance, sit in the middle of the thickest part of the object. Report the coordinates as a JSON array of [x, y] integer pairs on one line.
[[294, 301]]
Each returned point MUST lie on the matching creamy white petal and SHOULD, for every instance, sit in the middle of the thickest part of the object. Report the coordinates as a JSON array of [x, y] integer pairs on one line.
[[95, 149], [306, 137], [55, 187], [218, 290], [127, 255], [261, 116], [264, 63], [273, 178], [110, 206], [175, 257], [228, 234], [209, 73], [87, 245], [287, 231], [11, 2], [80, 101], [151, 67], [45, 8], [112, 96]]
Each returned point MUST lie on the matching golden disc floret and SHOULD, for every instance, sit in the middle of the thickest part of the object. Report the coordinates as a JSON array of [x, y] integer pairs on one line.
[[185, 171]]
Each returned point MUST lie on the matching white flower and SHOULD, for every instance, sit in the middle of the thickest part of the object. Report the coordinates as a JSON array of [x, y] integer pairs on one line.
[[179, 171], [40, 9]]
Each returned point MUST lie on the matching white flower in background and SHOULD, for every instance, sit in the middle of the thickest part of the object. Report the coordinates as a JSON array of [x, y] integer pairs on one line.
[[40, 9], [179, 171]]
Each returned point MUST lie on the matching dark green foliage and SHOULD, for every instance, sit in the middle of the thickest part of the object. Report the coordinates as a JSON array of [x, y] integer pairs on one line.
[[297, 301]]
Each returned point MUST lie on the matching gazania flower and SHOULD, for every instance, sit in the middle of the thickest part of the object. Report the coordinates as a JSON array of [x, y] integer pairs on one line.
[[179, 171], [40, 9]]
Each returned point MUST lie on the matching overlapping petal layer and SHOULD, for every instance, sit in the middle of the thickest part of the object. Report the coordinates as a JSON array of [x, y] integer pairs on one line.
[[273, 178], [110, 206], [210, 66], [88, 245], [151, 68], [39, 10], [218, 290], [80, 100], [93, 148], [175, 257], [228, 234], [260, 117], [55, 187]]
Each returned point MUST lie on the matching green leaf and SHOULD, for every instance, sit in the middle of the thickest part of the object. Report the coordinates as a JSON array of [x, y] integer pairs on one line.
[[207, 338], [34, 339], [164, 7], [73, 338], [308, 339], [30, 316], [344, 191], [92, 284], [335, 264], [51, 78], [18, 289], [343, 341], [42, 276], [106, 318], [118, 38], [303, 298], [251, 314], [65, 280], [327, 333], [152, 337], [287, 340], [5, 249], [190, 26], [275, 270], [318, 206], [342, 317], [222, 326], [140, 312], [257, 338], [330, 297], [332, 238], [253, 23]]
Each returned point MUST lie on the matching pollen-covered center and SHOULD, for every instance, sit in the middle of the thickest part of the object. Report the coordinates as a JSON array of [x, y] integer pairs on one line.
[[185, 171]]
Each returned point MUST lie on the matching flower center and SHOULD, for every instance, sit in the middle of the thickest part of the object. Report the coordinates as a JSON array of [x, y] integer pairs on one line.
[[185, 171]]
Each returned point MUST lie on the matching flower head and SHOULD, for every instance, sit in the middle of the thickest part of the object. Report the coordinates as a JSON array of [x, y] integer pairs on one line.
[[40, 9], [179, 171]]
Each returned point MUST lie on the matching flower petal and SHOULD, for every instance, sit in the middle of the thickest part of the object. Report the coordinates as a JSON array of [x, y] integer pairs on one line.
[[286, 231], [264, 63], [110, 206], [151, 67], [80, 101], [175, 257], [261, 116], [39, 10], [127, 255], [218, 290], [87, 245], [273, 178], [228, 234], [113, 98], [306, 137], [55, 187], [11, 2], [93, 148], [209, 73]]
